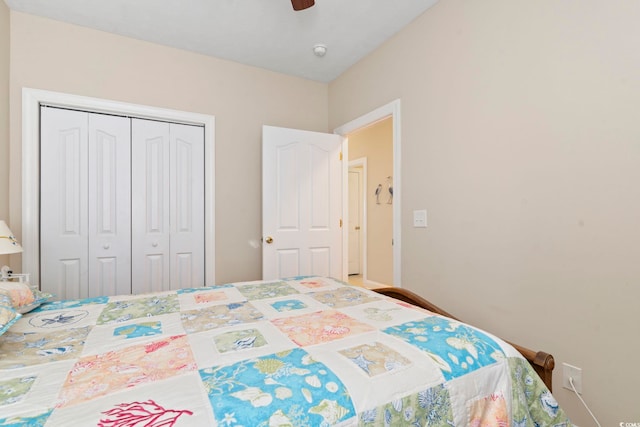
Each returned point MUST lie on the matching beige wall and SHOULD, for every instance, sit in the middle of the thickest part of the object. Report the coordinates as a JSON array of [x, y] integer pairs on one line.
[[4, 111], [54, 56], [375, 142], [520, 135], [4, 118]]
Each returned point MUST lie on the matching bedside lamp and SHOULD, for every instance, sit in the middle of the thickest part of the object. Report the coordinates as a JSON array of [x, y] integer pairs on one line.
[[8, 245]]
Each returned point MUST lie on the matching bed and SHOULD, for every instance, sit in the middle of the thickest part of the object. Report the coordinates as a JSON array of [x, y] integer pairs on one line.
[[305, 351]]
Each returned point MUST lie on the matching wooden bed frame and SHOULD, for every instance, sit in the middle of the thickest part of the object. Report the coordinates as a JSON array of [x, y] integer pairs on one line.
[[543, 363]]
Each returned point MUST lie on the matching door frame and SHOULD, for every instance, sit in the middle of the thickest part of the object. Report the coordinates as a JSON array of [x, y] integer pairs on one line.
[[31, 101], [392, 110], [361, 164]]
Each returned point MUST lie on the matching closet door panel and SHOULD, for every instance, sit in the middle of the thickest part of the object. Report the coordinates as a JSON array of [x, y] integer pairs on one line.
[[187, 206], [109, 205], [150, 180], [63, 201], [122, 204]]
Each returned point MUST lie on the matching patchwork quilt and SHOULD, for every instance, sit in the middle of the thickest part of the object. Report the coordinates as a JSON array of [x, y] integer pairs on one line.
[[307, 351]]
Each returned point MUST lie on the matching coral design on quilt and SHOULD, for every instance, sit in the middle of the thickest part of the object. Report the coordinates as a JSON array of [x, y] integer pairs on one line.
[[144, 414], [489, 412], [98, 375], [320, 327], [312, 283], [205, 297]]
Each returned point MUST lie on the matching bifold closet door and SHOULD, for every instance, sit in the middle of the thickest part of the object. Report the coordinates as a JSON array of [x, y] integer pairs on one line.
[[187, 206], [168, 206], [109, 205], [85, 214]]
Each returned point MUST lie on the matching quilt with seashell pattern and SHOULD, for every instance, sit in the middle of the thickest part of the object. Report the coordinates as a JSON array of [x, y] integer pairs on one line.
[[305, 351]]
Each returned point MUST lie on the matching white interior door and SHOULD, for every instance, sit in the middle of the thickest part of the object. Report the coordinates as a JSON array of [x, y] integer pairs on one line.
[[150, 179], [109, 205], [168, 206], [122, 204], [301, 203], [355, 215], [86, 217], [64, 222], [187, 206]]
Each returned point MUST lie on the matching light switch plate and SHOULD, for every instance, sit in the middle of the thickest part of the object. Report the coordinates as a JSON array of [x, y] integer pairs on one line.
[[420, 218]]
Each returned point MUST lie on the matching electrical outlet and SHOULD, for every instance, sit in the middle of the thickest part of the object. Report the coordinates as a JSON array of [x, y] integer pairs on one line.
[[575, 373]]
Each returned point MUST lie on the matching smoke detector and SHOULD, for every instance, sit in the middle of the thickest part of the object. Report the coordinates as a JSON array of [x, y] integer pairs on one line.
[[319, 50]]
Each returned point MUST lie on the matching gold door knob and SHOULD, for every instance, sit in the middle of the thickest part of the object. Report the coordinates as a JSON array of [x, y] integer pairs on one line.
[[357, 227], [269, 240]]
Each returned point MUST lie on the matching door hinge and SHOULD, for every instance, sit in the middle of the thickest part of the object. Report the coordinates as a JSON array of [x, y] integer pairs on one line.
[[341, 155], [340, 222]]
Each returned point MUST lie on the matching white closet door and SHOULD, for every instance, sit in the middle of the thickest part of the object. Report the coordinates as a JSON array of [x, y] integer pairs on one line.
[[150, 180], [167, 177], [109, 205], [122, 204], [63, 199], [187, 206]]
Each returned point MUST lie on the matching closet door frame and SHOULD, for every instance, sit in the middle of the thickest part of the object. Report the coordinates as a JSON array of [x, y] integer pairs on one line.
[[31, 101]]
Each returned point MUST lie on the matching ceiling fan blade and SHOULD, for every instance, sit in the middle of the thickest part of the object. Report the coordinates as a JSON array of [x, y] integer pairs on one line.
[[302, 4]]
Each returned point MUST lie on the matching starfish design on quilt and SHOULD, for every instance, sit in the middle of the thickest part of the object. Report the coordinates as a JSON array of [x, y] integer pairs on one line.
[[37, 344], [60, 318], [362, 362], [55, 320], [55, 351]]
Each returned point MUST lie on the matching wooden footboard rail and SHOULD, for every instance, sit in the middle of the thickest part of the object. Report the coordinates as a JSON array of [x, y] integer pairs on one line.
[[543, 363]]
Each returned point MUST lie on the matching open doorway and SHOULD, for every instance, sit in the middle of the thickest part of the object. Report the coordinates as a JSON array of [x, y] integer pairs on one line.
[[374, 137], [357, 219], [375, 144]]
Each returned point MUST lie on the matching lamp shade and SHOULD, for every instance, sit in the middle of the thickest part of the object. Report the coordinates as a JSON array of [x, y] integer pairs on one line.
[[8, 243]]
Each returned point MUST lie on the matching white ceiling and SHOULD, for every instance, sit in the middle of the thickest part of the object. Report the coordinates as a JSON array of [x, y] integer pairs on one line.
[[263, 33]]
